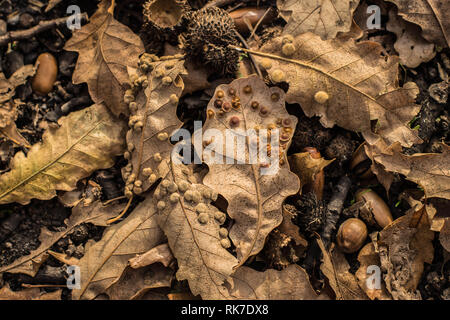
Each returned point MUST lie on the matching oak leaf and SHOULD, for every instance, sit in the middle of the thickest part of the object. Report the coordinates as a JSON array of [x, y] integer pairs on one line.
[[306, 167], [87, 140], [28, 294], [323, 17], [433, 16], [106, 47], [345, 83], [192, 226], [104, 261], [254, 197], [152, 123]]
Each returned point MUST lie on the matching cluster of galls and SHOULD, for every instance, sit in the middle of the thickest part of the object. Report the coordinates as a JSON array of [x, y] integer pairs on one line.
[[170, 193], [209, 34], [228, 105], [138, 82]]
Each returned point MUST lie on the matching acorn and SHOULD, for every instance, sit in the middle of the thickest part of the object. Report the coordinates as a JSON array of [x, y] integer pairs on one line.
[[376, 205], [361, 164], [45, 77], [351, 235]]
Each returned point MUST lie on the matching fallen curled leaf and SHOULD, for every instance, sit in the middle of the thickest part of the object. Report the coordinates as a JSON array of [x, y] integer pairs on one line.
[[87, 140], [159, 253], [254, 196], [104, 261], [367, 256], [345, 83], [433, 16], [192, 227], [28, 294], [106, 47], [291, 283], [404, 246], [430, 170], [336, 268], [152, 123], [134, 283], [323, 17], [8, 128], [412, 48], [8, 86], [96, 214]]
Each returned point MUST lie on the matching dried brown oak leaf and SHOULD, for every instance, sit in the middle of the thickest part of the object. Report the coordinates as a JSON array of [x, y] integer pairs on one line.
[[106, 47], [96, 214], [291, 283], [8, 128], [152, 121], [8, 86], [28, 294], [307, 167], [104, 261], [87, 140], [430, 170], [412, 48], [433, 16], [344, 83], [255, 196], [336, 268], [193, 228], [323, 17], [404, 246]]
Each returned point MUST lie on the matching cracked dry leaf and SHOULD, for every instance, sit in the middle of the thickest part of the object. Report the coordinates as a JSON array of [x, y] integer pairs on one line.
[[96, 214], [305, 166], [152, 121], [367, 256], [433, 16], [254, 197], [323, 17], [345, 83], [291, 283], [336, 268], [192, 226], [106, 47], [104, 261], [87, 140], [404, 246], [412, 48], [134, 283], [429, 170]]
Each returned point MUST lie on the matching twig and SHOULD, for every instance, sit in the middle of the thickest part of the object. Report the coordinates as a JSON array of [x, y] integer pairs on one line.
[[259, 22], [250, 56], [28, 33]]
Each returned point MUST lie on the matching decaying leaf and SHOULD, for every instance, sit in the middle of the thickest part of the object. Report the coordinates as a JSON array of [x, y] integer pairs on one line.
[[305, 166], [336, 268], [291, 283], [96, 214], [404, 246], [368, 257], [410, 45], [87, 140], [106, 47], [192, 227], [345, 83], [134, 283], [254, 196], [323, 17], [28, 294], [431, 171], [8, 86], [105, 260], [8, 129], [433, 16], [159, 253], [152, 122]]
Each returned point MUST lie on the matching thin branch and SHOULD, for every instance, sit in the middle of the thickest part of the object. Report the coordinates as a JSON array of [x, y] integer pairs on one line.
[[41, 27], [250, 55]]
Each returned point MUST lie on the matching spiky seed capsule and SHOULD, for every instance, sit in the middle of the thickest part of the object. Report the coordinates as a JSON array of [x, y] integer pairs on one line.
[[203, 218], [266, 63], [174, 197], [162, 136], [173, 98], [147, 171], [223, 233], [225, 243], [165, 183], [183, 185], [157, 157], [152, 179], [172, 187], [138, 183], [288, 49], [161, 205], [321, 97], [278, 76], [288, 39], [220, 217], [167, 80]]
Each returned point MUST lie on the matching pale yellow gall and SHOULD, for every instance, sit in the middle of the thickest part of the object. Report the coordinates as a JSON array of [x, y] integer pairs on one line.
[[321, 97], [225, 243], [278, 76], [288, 49]]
